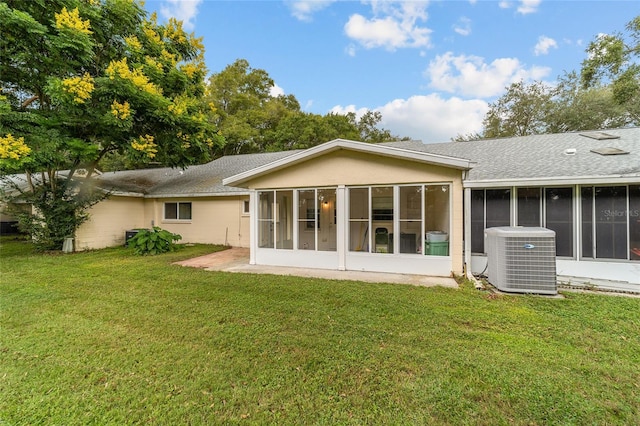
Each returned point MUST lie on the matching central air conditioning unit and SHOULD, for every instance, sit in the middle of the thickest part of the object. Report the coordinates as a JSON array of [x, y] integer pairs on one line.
[[521, 259]]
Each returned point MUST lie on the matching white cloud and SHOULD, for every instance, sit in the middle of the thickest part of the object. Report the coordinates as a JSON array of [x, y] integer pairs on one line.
[[276, 91], [428, 118], [304, 9], [525, 7], [528, 6], [471, 76], [543, 45], [338, 109], [463, 26], [350, 50], [183, 10], [394, 25]]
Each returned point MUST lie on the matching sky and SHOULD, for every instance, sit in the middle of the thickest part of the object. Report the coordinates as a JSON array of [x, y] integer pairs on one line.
[[431, 68]]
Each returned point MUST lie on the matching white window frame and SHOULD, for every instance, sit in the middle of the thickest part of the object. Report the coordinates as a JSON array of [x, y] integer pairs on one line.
[[177, 218]]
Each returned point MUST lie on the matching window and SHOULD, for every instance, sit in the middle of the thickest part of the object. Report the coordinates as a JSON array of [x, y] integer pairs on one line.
[[410, 218], [558, 208], [553, 210], [375, 217], [382, 218], [529, 207], [634, 222], [489, 208], [610, 222], [317, 219], [265, 219], [278, 219], [307, 219], [358, 219], [275, 219], [245, 207], [284, 219], [177, 211]]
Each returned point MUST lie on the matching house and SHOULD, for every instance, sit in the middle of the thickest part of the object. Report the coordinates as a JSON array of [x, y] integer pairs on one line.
[[404, 207], [192, 202], [585, 186]]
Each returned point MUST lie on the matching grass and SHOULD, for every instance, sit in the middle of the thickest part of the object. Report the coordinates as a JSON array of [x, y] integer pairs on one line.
[[104, 337]]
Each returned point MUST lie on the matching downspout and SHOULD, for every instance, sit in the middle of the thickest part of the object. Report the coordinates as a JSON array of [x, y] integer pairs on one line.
[[253, 218], [467, 238]]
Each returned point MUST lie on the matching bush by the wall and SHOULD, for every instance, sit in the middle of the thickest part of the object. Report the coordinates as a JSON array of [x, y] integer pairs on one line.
[[153, 241]]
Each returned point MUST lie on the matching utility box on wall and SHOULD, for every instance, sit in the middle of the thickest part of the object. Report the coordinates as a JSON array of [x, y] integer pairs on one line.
[[129, 235], [522, 259]]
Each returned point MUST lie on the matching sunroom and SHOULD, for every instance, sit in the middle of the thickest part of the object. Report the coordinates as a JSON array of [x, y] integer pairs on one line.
[[597, 226], [348, 205]]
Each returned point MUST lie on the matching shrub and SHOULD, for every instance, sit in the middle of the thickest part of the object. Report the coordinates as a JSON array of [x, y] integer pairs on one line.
[[153, 241]]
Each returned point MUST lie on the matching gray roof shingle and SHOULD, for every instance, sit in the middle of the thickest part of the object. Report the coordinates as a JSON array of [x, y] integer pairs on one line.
[[542, 156], [200, 180]]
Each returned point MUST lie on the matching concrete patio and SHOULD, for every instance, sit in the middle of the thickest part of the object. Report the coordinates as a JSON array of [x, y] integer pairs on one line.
[[237, 260]]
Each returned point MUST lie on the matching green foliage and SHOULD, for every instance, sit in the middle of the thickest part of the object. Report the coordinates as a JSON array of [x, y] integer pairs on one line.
[[81, 80], [522, 110], [251, 119], [59, 208], [604, 95], [153, 241], [613, 60]]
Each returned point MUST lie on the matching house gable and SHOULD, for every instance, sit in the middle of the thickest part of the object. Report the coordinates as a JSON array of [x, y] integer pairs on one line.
[[348, 162], [345, 167]]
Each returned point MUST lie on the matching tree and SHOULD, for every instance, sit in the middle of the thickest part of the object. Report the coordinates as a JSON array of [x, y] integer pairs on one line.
[[368, 128], [612, 59], [245, 108], [469, 137], [82, 79], [576, 108], [537, 108], [523, 110], [251, 119]]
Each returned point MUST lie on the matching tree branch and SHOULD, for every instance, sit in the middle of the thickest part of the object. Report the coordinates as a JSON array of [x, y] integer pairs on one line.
[[29, 101]]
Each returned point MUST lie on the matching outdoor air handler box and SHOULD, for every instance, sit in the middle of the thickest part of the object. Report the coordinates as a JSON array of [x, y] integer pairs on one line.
[[522, 259], [129, 235]]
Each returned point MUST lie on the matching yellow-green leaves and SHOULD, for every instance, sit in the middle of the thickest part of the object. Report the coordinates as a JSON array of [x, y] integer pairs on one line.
[[72, 20], [79, 87], [12, 148], [121, 111], [121, 70], [146, 145]]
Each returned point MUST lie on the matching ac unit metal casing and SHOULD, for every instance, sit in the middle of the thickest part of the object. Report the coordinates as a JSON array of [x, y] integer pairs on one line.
[[522, 259]]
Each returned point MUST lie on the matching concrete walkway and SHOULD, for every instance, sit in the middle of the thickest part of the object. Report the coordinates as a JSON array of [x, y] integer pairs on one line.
[[237, 260]]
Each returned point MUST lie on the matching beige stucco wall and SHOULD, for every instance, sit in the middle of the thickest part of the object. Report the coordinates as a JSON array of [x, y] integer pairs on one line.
[[344, 167], [214, 220], [349, 168], [108, 222]]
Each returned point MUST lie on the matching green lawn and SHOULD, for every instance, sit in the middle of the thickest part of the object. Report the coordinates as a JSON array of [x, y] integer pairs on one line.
[[104, 337]]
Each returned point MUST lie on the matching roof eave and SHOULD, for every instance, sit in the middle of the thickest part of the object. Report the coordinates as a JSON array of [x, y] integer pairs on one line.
[[553, 181], [198, 194], [338, 144]]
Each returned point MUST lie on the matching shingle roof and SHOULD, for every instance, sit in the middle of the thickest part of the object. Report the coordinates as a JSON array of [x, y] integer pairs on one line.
[[201, 180], [543, 157], [563, 156]]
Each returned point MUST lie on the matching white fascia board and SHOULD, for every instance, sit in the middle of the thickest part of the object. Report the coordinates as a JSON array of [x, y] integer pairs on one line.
[[198, 195], [337, 144], [125, 194], [552, 181]]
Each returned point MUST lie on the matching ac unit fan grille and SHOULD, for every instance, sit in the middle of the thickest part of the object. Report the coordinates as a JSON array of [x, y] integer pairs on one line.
[[523, 263]]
